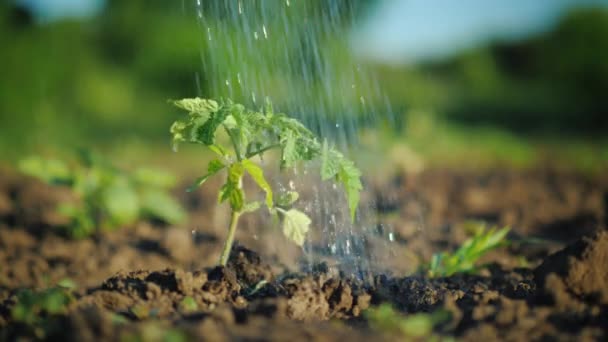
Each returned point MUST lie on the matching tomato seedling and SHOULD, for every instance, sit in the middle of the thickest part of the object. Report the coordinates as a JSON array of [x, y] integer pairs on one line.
[[251, 134]]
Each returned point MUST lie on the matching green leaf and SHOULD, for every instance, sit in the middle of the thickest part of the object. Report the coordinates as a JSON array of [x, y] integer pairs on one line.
[[287, 198], [289, 155], [188, 304], [330, 163], [51, 171], [197, 105], [468, 254], [206, 134], [257, 174], [158, 204], [213, 167], [295, 225], [350, 177], [231, 190], [153, 177], [120, 201]]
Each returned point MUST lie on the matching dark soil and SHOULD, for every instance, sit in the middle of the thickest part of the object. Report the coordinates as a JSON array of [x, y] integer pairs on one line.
[[155, 282]]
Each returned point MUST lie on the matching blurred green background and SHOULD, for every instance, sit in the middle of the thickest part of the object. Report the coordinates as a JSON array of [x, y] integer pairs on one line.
[[102, 81]]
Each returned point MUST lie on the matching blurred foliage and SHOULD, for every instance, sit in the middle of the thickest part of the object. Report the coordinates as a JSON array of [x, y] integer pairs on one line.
[[38, 310], [108, 198], [385, 319], [552, 84], [105, 81]]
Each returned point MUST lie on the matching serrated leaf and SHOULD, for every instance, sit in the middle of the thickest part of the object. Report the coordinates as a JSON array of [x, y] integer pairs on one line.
[[350, 177], [330, 164], [289, 155], [197, 105], [213, 167], [206, 134], [295, 226], [287, 198], [257, 174]]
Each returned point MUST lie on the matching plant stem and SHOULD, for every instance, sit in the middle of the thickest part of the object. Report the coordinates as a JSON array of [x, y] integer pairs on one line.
[[261, 150], [234, 219]]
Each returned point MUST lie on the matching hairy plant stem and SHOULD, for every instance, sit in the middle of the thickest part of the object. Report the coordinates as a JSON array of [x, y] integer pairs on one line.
[[234, 219]]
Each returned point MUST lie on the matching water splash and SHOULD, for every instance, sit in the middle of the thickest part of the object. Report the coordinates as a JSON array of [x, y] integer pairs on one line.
[[297, 54]]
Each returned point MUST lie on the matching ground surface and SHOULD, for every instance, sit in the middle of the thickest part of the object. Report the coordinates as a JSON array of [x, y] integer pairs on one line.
[[156, 282]]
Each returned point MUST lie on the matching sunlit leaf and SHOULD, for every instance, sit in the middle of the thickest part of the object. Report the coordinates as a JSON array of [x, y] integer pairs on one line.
[[257, 174], [287, 198], [295, 226]]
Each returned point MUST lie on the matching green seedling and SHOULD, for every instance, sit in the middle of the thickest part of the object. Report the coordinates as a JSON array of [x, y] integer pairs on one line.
[[36, 309], [465, 259], [250, 135], [107, 198], [414, 326], [188, 304]]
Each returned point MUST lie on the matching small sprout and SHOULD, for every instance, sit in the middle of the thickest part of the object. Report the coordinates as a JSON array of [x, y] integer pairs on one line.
[[464, 260], [67, 283], [258, 287], [140, 311], [37, 310], [420, 325], [188, 304], [251, 134]]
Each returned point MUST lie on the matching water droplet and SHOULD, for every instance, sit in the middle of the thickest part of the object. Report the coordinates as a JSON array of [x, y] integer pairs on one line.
[[255, 35], [362, 100], [240, 7], [228, 83], [291, 185], [333, 248], [264, 31], [337, 125], [238, 77], [287, 3], [391, 236], [208, 32]]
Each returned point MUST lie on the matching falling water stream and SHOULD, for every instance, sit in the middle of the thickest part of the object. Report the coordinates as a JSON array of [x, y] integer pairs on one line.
[[297, 54]]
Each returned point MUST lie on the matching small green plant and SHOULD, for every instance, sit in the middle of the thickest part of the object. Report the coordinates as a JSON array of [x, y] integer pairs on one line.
[[420, 325], [466, 256], [107, 198], [250, 135], [36, 309]]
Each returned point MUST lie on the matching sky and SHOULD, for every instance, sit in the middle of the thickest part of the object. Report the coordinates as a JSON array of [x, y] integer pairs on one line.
[[409, 31], [404, 31], [50, 10]]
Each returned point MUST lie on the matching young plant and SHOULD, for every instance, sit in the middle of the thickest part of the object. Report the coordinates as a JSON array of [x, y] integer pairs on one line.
[[465, 258], [108, 197], [36, 310], [413, 326], [250, 135]]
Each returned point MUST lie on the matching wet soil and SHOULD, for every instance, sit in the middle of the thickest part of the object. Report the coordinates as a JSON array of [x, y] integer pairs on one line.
[[156, 282]]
